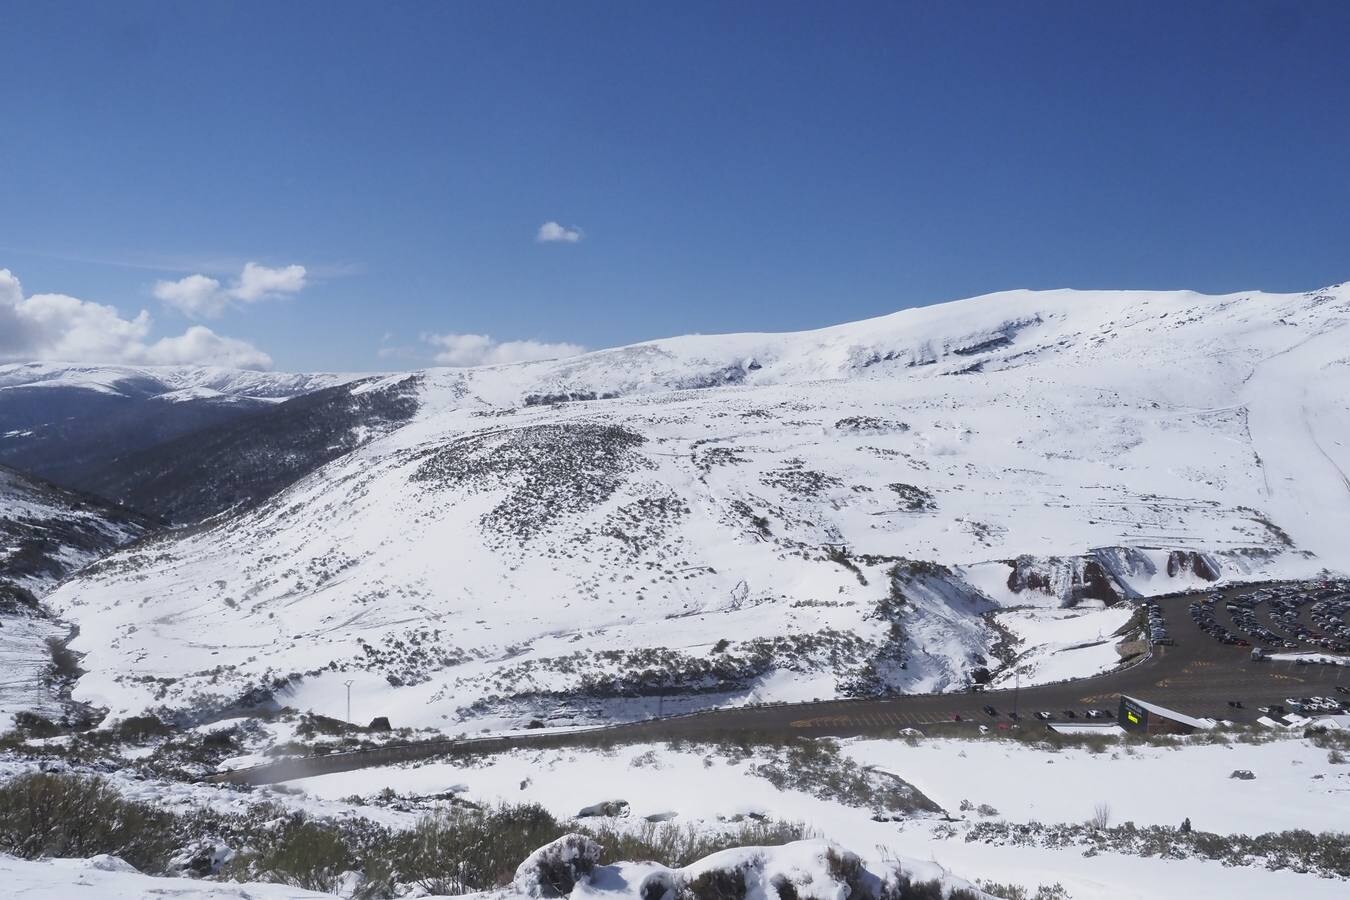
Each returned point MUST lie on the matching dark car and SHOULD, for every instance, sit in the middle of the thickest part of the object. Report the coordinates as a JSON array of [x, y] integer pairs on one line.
[[989, 710]]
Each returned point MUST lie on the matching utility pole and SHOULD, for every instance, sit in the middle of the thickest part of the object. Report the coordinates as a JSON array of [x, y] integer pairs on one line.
[[349, 701], [1017, 689]]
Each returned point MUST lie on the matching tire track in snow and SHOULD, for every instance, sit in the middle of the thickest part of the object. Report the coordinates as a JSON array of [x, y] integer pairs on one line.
[[1312, 435]]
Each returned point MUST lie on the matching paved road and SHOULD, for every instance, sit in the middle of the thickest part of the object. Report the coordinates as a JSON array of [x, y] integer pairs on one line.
[[1197, 676]]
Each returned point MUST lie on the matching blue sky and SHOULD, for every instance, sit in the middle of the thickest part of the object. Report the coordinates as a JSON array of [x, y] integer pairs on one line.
[[729, 166]]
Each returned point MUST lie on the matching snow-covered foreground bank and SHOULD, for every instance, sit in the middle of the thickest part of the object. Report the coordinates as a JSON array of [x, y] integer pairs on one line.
[[807, 868], [941, 806], [111, 879], [1296, 787]]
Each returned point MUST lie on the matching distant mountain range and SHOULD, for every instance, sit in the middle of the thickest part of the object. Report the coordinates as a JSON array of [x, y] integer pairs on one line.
[[67, 421]]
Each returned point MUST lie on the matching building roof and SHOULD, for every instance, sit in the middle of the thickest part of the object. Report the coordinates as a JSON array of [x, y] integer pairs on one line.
[[1110, 728], [1172, 714]]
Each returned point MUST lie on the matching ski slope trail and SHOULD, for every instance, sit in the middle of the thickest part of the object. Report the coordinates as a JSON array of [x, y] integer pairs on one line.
[[1300, 428]]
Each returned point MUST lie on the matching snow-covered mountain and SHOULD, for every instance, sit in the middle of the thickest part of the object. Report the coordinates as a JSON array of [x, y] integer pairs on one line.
[[713, 519], [63, 420], [166, 382], [235, 464]]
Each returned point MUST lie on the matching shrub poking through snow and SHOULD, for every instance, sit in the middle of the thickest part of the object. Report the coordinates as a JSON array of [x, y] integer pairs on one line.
[[557, 867], [66, 815], [455, 850], [716, 884]]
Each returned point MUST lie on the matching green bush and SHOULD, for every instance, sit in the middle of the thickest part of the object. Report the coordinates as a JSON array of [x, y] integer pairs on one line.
[[68, 815], [456, 850], [302, 853], [32, 725]]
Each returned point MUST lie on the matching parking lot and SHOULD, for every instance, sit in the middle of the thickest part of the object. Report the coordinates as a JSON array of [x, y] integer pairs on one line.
[[1281, 618]]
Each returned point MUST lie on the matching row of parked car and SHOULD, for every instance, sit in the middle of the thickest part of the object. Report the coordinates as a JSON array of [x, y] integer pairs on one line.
[[1046, 716], [1330, 606], [1202, 611], [1157, 625], [1287, 628], [1315, 706], [1243, 611], [1332, 615]]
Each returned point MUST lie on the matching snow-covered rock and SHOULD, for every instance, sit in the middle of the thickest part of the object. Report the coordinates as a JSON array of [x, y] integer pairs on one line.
[[557, 867]]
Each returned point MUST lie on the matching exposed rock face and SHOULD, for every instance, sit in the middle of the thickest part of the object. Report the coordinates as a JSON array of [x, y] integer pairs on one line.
[[1199, 564], [1071, 579]]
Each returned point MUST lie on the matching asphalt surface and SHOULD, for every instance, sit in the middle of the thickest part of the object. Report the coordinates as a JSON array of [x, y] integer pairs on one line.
[[1198, 676]]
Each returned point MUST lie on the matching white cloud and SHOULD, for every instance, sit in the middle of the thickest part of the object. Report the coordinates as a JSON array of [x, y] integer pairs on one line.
[[61, 328], [259, 282], [482, 350], [553, 233], [200, 345], [195, 295], [200, 296]]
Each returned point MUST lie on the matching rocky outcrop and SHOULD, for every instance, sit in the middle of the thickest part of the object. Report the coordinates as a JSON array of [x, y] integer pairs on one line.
[[1071, 579], [1181, 562]]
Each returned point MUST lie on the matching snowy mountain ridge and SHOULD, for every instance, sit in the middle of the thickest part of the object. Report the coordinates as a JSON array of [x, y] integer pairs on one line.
[[725, 519], [165, 382]]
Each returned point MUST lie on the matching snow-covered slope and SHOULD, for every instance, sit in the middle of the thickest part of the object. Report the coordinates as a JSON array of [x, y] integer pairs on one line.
[[236, 464], [728, 518], [45, 534]]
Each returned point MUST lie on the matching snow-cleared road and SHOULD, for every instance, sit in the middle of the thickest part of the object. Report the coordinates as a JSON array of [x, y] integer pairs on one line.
[[1197, 676]]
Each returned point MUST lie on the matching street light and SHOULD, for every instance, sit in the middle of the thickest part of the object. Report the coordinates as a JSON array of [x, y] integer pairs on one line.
[[349, 700]]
